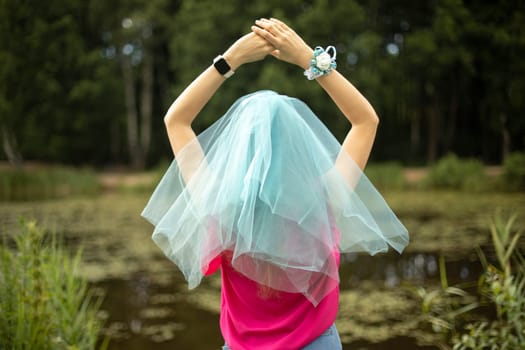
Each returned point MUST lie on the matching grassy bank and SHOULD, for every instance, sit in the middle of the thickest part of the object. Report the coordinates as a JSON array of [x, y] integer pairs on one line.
[[452, 173], [35, 183], [449, 173]]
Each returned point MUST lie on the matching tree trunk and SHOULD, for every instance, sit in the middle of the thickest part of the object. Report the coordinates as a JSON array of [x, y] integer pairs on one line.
[[115, 142], [146, 105], [433, 132], [135, 153], [139, 143], [415, 136], [505, 137], [10, 147], [452, 118]]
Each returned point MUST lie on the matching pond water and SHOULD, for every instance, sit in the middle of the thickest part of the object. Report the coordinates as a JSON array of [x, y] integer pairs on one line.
[[148, 305]]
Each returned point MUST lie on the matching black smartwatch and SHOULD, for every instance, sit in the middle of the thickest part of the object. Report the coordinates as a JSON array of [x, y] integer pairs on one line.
[[222, 66]]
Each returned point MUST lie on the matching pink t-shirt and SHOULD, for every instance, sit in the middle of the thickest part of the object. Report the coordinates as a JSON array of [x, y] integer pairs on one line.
[[253, 318]]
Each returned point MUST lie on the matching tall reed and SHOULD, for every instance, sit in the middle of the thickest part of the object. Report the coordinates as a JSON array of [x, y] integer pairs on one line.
[[501, 290], [44, 304]]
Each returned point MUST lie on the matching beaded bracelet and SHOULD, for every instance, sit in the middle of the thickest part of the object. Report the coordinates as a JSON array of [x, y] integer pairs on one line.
[[322, 63]]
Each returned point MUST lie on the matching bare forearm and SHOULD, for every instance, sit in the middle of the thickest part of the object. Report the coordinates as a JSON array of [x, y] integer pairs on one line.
[[359, 112], [350, 101], [188, 104], [191, 101], [356, 108], [184, 109]]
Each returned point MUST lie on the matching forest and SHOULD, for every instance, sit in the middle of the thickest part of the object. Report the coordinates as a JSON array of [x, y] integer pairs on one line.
[[87, 82]]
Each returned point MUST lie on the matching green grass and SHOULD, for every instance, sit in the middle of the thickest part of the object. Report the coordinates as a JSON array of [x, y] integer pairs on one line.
[[43, 303], [387, 175], [45, 183]]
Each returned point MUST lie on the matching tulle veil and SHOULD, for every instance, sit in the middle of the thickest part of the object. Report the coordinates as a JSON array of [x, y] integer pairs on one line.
[[269, 184]]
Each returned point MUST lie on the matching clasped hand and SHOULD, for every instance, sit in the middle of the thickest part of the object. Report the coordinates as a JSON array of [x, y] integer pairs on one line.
[[269, 36]]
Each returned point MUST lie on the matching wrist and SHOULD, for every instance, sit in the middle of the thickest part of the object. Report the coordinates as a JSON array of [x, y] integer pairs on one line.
[[322, 62], [223, 67], [305, 58], [232, 60]]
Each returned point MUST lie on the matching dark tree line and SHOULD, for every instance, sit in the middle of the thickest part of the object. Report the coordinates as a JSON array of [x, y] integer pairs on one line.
[[87, 82]]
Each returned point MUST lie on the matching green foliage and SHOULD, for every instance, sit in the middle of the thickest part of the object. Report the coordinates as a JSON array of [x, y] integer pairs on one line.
[[441, 74], [43, 303], [501, 288], [387, 176], [451, 172], [514, 171], [56, 95], [49, 182]]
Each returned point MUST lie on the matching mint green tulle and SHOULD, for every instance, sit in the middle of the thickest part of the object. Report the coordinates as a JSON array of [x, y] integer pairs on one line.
[[269, 184]]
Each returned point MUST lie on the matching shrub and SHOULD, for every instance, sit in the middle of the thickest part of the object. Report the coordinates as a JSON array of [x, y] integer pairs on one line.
[[43, 303], [387, 175], [451, 172], [514, 172]]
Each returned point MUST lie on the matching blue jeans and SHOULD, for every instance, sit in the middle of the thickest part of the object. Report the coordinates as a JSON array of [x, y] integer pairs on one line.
[[329, 340]]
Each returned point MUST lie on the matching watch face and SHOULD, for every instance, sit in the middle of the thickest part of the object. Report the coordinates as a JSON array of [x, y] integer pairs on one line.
[[222, 66]]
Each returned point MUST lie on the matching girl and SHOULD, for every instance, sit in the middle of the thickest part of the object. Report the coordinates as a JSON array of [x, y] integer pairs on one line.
[[268, 195]]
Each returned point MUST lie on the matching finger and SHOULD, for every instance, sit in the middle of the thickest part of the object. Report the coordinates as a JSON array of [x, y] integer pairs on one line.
[[264, 34], [261, 32], [276, 53], [278, 24], [263, 23], [275, 23], [283, 27], [270, 49], [277, 28], [275, 20], [268, 25]]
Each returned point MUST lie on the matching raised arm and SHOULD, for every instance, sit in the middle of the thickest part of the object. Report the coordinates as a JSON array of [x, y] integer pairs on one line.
[[189, 103], [291, 48]]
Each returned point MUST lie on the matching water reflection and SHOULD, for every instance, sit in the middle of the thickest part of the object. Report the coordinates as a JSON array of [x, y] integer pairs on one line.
[[144, 314], [393, 269], [156, 310]]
